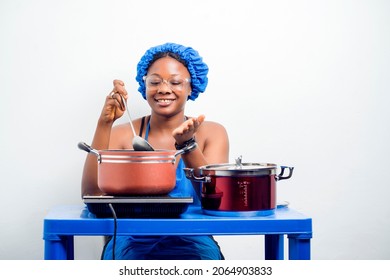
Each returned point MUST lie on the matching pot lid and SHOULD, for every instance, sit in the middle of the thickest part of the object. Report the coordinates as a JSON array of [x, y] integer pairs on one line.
[[243, 166], [239, 168]]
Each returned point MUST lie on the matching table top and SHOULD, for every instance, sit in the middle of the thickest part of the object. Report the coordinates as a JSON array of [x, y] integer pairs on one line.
[[77, 220]]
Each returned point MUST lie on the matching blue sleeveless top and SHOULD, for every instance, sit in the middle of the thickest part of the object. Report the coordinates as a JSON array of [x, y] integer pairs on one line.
[[166, 247]]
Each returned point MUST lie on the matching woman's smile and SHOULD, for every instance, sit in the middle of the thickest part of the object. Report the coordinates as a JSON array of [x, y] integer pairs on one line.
[[164, 101]]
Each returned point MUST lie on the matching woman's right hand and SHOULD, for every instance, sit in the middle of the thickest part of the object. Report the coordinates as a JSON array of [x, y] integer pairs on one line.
[[113, 107]]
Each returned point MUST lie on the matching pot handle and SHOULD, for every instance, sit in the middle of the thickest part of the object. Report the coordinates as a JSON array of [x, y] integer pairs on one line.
[[189, 172], [186, 149], [280, 176], [85, 147]]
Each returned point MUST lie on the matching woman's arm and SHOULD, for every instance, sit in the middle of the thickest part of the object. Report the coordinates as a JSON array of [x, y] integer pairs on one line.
[[212, 139], [112, 110]]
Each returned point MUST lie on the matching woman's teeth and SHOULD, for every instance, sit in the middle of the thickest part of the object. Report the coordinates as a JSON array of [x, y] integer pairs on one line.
[[164, 100]]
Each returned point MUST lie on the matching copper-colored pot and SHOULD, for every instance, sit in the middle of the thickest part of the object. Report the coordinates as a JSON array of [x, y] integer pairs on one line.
[[129, 172], [243, 189]]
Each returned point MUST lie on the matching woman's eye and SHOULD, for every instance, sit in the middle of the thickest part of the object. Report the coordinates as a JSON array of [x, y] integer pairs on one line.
[[176, 83], [155, 83]]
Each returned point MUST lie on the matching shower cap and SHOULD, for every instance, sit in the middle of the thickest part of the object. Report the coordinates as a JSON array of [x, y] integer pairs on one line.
[[194, 63]]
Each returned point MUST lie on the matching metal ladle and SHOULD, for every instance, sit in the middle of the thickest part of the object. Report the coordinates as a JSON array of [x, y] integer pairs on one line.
[[139, 143]]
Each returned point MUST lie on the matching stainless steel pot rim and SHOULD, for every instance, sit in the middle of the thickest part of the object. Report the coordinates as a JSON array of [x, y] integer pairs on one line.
[[138, 161], [243, 166], [131, 154], [144, 153], [245, 169], [138, 158]]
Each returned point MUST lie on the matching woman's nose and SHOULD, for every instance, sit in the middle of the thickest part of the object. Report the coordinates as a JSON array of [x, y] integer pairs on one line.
[[164, 88]]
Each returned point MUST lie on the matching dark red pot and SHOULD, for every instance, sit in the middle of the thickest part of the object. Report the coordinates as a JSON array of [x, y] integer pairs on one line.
[[238, 189]]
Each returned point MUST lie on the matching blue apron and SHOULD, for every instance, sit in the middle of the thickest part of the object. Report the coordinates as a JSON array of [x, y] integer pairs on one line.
[[166, 247]]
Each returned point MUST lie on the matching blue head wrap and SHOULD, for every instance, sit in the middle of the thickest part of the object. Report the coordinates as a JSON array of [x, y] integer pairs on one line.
[[194, 63]]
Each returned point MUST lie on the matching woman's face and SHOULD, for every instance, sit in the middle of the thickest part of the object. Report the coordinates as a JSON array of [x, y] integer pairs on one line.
[[167, 86]]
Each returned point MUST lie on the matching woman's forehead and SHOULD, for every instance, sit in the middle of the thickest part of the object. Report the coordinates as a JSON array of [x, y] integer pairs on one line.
[[167, 65]]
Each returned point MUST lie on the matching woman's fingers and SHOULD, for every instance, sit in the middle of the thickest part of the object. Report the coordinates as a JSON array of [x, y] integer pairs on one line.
[[187, 129], [119, 87], [116, 96]]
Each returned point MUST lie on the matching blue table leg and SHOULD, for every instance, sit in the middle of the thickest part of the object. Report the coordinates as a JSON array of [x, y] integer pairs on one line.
[[59, 247], [274, 247], [299, 246], [69, 247]]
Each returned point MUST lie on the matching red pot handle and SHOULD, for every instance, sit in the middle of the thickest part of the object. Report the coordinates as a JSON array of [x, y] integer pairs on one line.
[[189, 172], [280, 176]]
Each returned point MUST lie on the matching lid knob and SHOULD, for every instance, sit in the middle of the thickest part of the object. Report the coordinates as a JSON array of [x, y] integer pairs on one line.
[[239, 162]]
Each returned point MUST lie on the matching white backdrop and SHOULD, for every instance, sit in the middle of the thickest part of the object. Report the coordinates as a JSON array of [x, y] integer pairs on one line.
[[299, 83]]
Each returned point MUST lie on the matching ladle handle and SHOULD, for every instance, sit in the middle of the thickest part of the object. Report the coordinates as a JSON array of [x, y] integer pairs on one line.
[[128, 114]]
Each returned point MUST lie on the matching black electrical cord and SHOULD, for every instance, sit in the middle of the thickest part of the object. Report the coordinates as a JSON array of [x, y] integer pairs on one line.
[[115, 229]]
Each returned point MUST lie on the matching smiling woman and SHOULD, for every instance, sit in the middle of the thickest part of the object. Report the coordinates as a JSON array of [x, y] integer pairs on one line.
[[168, 75]]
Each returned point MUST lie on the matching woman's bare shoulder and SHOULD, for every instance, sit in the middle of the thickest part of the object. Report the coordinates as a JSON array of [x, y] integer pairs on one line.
[[213, 139], [126, 126], [212, 129], [210, 125], [122, 134]]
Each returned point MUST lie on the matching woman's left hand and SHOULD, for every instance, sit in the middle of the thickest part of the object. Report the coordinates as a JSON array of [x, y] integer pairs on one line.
[[187, 129]]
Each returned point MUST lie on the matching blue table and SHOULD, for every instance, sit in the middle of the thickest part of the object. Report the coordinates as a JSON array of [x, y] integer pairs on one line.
[[62, 223]]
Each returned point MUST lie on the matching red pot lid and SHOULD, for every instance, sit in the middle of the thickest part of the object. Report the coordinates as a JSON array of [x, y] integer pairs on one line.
[[239, 169]]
